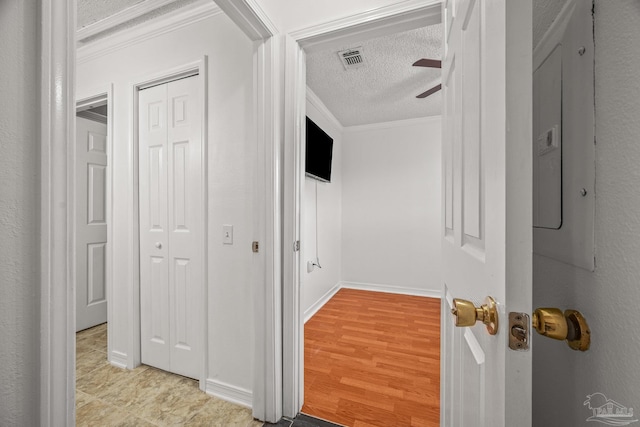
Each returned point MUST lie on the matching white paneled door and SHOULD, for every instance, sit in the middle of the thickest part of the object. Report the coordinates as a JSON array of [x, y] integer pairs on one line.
[[487, 217], [91, 223], [171, 226]]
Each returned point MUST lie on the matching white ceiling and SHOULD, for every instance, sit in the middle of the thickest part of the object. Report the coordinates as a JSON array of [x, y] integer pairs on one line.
[[90, 11], [385, 88]]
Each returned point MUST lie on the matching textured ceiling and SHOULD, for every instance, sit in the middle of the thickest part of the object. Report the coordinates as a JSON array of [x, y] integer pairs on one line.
[[385, 88], [90, 11], [174, 5]]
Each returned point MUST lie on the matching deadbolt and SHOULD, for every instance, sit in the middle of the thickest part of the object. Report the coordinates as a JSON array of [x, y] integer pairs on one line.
[[467, 314]]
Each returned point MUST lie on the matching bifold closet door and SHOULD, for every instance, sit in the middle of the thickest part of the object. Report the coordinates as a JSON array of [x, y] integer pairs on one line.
[[171, 226]]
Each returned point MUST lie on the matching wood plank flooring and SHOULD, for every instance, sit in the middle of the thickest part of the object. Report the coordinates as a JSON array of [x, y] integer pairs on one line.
[[373, 359]]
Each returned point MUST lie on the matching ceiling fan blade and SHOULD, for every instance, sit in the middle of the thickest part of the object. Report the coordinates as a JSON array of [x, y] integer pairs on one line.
[[430, 91], [424, 62]]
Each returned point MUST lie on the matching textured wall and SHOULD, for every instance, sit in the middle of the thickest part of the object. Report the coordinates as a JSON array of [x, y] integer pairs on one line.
[[19, 261], [609, 296]]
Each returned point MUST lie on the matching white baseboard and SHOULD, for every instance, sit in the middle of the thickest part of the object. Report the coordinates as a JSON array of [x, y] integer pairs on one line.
[[375, 287], [230, 393], [308, 313], [118, 359]]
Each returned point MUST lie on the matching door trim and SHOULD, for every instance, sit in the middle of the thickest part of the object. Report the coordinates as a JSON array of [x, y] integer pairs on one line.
[[56, 143], [197, 67], [97, 96], [375, 23]]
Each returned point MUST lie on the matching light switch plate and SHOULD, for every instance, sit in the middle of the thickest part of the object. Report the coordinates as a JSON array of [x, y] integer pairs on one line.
[[227, 234]]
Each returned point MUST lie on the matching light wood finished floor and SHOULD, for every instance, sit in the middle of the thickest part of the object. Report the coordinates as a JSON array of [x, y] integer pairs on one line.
[[108, 396], [373, 359]]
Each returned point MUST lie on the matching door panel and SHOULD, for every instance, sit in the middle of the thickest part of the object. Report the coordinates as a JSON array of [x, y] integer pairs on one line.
[[487, 193], [91, 223], [185, 217], [171, 226], [154, 241]]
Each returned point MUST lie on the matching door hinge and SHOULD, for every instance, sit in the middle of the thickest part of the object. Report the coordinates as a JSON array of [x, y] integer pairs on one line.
[[255, 247], [296, 246]]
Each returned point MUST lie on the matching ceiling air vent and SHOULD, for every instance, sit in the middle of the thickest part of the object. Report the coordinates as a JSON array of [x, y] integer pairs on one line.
[[351, 58]]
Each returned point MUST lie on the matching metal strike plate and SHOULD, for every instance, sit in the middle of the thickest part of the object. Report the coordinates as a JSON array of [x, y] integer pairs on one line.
[[255, 247], [519, 333]]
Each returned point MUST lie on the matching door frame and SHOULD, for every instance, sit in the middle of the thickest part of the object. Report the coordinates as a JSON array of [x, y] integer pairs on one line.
[[57, 50], [351, 29], [193, 68], [56, 147], [97, 96]]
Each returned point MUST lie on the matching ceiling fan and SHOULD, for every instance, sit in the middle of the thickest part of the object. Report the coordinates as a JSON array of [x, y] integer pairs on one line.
[[431, 63]]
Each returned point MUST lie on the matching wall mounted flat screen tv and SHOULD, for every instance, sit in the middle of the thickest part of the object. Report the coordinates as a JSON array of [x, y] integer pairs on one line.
[[319, 153]]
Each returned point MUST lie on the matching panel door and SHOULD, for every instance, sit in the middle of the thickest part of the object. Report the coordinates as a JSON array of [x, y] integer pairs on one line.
[[487, 208], [171, 226], [91, 223]]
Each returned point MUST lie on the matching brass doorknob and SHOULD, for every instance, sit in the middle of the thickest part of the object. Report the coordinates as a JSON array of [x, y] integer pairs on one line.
[[570, 326], [467, 314]]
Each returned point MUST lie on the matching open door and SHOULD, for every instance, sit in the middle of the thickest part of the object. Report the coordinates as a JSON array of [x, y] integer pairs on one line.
[[487, 211]]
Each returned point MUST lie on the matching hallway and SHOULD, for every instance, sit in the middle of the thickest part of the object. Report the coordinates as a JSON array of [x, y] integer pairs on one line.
[[143, 397]]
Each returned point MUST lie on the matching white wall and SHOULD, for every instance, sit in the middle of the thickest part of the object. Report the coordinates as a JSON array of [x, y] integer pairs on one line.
[[19, 218], [320, 281], [609, 296], [231, 159], [391, 205]]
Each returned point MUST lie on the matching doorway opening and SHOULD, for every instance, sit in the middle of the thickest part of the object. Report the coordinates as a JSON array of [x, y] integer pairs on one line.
[[353, 260], [92, 210]]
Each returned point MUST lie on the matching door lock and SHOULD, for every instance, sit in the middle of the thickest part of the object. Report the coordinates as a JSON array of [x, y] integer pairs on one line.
[[467, 314], [570, 326], [552, 323], [518, 331]]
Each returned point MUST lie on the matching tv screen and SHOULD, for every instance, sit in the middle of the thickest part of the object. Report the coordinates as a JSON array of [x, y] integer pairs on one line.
[[319, 153]]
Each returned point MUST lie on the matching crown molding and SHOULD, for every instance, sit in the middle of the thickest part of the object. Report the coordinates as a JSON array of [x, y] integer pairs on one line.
[[313, 99], [120, 17], [403, 16], [394, 124], [171, 21], [250, 17]]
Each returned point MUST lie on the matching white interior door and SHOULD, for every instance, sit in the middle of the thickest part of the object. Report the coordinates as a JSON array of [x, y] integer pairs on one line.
[[171, 226], [91, 223], [487, 191]]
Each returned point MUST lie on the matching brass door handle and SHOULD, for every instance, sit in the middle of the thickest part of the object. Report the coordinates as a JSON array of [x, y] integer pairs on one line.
[[570, 326], [467, 314]]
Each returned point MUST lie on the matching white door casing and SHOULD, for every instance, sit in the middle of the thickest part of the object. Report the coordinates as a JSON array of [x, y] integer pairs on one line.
[[171, 226], [487, 207], [91, 223]]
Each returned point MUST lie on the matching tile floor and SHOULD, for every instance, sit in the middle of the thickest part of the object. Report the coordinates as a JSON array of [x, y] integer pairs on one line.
[[107, 396]]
